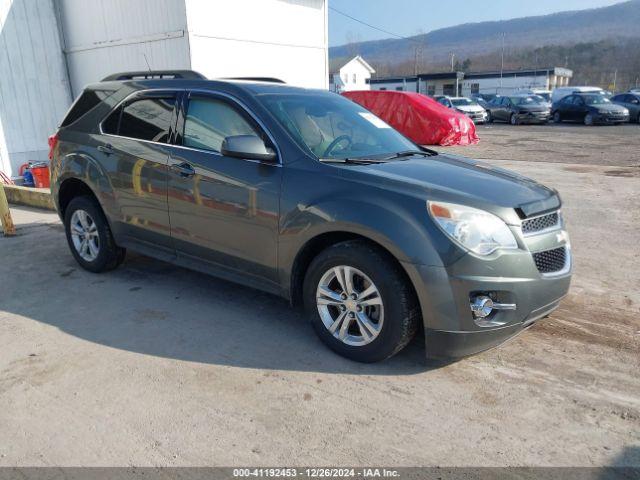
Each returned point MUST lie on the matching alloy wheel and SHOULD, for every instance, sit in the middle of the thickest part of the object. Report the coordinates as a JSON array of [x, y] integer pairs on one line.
[[350, 305], [84, 235]]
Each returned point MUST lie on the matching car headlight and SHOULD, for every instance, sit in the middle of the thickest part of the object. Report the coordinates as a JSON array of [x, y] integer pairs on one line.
[[476, 230]]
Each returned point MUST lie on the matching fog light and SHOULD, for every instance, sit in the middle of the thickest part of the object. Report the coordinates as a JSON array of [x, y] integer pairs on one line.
[[482, 306]]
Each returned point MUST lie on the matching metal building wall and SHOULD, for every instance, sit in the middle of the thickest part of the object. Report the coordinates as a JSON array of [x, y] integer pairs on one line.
[[116, 35], [286, 39], [34, 87]]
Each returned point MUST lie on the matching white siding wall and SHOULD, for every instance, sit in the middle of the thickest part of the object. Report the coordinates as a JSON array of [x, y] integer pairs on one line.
[[116, 35], [407, 86], [34, 91], [354, 67], [509, 84], [286, 39]]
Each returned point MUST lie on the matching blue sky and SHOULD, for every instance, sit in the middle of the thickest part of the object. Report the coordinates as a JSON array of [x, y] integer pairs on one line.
[[409, 17]]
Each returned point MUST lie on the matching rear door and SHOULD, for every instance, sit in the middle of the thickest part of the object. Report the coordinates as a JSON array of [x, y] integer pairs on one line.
[[223, 210], [579, 109], [567, 108], [501, 113], [135, 151]]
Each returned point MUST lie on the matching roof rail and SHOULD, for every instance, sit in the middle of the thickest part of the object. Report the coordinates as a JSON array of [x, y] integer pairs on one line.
[[257, 79], [156, 74]]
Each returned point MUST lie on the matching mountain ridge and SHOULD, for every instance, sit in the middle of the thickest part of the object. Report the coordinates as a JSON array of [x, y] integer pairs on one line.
[[621, 20]]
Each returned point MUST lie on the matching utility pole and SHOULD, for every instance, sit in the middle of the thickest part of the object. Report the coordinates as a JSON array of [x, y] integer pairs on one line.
[[452, 55], [615, 78], [502, 62]]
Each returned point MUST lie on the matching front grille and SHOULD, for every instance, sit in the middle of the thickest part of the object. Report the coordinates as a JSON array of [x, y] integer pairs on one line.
[[551, 260], [540, 223]]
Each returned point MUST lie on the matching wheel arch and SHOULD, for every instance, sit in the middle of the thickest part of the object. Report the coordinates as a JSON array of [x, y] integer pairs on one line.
[[314, 246], [71, 188]]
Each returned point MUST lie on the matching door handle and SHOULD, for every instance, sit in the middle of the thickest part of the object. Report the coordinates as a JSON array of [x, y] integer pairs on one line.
[[184, 169], [107, 149]]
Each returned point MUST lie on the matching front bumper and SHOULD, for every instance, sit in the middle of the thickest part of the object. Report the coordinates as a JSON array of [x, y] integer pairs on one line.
[[477, 117], [534, 117], [510, 277], [610, 118]]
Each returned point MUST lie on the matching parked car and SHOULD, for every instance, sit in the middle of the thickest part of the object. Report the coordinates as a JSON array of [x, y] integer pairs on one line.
[[560, 92], [305, 194], [630, 101], [466, 106], [482, 99], [589, 108], [541, 92], [517, 109], [418, 117]]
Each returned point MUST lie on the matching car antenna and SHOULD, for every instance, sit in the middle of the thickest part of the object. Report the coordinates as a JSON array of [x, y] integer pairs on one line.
[[146, 61]]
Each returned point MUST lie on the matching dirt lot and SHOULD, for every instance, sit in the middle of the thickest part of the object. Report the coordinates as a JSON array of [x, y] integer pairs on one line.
[[155, 365]]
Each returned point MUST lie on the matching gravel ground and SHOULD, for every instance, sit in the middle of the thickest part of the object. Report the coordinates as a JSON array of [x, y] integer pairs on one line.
[[153, 365], [564, 143]]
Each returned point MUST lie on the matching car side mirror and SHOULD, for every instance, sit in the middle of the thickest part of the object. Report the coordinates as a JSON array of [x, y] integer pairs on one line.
[[250, 147]]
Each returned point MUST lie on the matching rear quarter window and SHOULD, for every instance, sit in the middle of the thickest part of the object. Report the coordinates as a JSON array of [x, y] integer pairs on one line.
[[86, 102]]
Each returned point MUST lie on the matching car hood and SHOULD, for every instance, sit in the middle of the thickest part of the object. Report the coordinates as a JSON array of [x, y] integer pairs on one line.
[[464, 180], [470, 108]]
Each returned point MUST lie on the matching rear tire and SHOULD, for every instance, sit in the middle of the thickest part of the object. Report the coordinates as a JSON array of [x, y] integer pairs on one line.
[[89, 236], [376, 325]]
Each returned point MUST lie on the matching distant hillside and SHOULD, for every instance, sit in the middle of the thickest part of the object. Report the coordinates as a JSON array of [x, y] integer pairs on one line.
[[476, 39]]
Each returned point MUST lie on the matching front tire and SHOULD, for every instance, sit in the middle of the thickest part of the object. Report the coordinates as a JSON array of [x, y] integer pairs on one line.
[[513, 119], [489, 117], [89, 236], [359, 302], [557, 118], [588, 120]]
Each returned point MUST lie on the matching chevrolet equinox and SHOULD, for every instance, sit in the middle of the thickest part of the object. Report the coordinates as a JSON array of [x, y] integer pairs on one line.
[[304, 194]]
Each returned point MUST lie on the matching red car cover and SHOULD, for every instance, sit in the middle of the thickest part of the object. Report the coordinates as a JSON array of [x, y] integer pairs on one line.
[[418, 117]]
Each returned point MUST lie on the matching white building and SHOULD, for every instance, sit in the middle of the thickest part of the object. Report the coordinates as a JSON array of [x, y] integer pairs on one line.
[[510, 81], [353, 75], [51, 49], [465, 84]]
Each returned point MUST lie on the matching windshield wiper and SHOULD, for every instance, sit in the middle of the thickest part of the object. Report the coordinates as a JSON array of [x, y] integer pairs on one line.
[[354, 161], [411, 153]]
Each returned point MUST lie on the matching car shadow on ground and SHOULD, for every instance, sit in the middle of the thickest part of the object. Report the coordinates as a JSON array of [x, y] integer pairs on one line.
[[154, 308]]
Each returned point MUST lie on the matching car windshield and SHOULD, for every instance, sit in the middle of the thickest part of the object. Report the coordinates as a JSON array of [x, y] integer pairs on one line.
[[595, 99], [545, 96], [333, 127], [461, 102], [528, 100]]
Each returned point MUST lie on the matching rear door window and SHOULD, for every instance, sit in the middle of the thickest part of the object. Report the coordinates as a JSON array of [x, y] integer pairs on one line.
[[144, 119]]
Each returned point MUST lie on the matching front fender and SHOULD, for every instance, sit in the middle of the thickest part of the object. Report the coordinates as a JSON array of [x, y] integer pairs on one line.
[[396, 222]]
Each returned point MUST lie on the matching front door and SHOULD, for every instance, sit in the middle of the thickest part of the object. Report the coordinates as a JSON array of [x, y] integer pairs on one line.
[[223, 210]]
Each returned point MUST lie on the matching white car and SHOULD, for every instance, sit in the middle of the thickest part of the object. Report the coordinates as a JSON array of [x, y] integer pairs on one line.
[[467, 106], [561, 92]]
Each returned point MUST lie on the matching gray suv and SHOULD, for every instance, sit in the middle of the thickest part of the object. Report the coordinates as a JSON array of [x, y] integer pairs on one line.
[[304, 194]]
